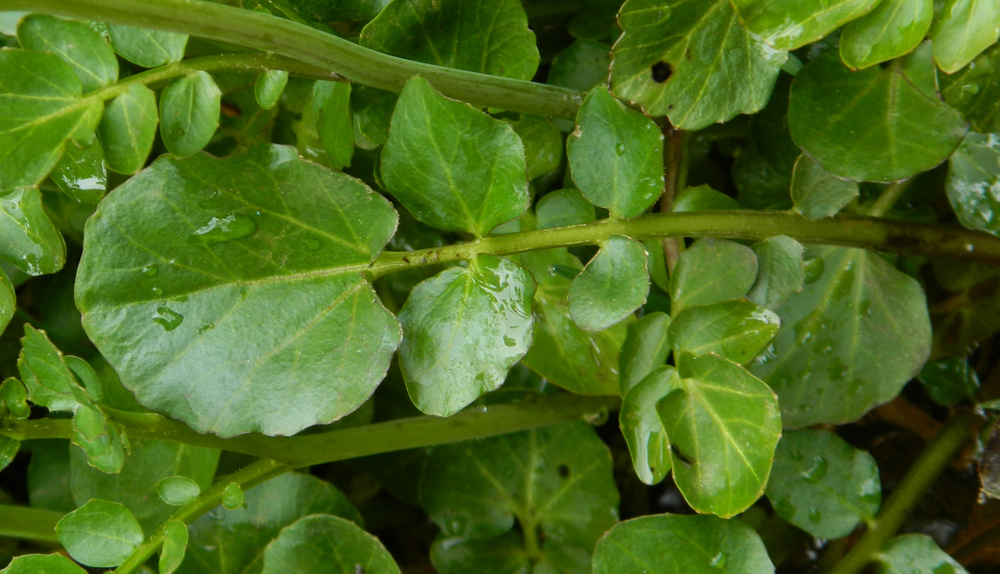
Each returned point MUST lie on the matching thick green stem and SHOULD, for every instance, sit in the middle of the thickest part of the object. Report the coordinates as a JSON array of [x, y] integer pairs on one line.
[[306, 44], [29, 523], [952, 438]]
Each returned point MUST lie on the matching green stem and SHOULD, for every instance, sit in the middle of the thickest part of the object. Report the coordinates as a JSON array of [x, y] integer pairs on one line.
[[306, 44], [29, 523], [952, 438], [890, 195]]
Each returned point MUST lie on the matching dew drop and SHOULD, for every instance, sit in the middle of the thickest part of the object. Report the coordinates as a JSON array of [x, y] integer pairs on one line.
[[157, 291], [814, 269], [168, 318], [620, 149], [227, 228], [815, 515], [719, 560], [817, 470], [312, 244], [150, 270]]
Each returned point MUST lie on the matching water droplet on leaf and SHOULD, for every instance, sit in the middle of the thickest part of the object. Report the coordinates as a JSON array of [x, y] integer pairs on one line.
[[813, 269], [168, 318], [221, 229], [157, 291], [719, 560], [150, 270], [817, 470]]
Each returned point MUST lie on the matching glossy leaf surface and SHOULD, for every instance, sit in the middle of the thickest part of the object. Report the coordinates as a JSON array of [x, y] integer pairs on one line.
[[712, 270], [237, 281], [324, 543], [189, 113], [892, 29], [816, 193], [28, 238], [645, 348], [780, 272], [973, 182], [790, 24], [177, 490], [737, 330], [127, 129], [975, 91], [75, 43], [963, 29], [43, 564], [332, 101], [81, 172], [45, 374], [647, 440], [269, 87], [612, 286], [913, 554], [101, 534], [949, 381], [147, 48], [100, 439]]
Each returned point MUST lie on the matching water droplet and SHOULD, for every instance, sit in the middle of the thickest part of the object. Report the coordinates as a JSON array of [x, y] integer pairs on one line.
[[719, 560], [150, 270], [815, 515], [312, 244], [228, 228], [168, 318], [205, 328], [817, 470], [814, 269], [620, 149], [971, 89], [157, 291]]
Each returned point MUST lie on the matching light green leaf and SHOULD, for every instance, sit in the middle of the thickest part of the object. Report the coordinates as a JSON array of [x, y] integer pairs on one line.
[[723, 425], [269, 87], [177, 490], [791, 24], [488, 36], [147, 48], [874, 125], [816, 193], [915, 554], [949, 381], [175, 540], [616, 156], [372, 109], [894, 28], [974, 181], [822, 484], [780, 272], [127, 129], [645, 348], [563, 207], [332, 106], [857, 332], [712, 270], [99, 534], [324, 543], [43, 107], [737, 330], [641, 425], [691, 61], [167, 262], [13, 400], [451, 165], [49, 381], [189, 113], [28, 239], [75, 43], [703, 198], [462, 331], [8, 303], [542, 144], [689, 544], [612, 286], [963, 29], [233, 497], [99, 439], [975, 91], [43, 564], [81, 173]]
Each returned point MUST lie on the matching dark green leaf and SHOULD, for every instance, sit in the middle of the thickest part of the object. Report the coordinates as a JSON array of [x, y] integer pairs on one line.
[[822, 484], [542, 144], [189, 113], [13, 400], [28, 239], [712, 270], [563, 207], [8, 450], [147, 48], [177, 490], [332, 103], [974, 181], [49, 381], [100, 534], [703, 198], [49, 476], [489, 36], [8, 304], [645, 348], [691, 61], [612, 286], [43, 564], [723, 425], [167, 262], [269, 87], [873, 125], [816, 193], [780, 272], [616, 155], [99, 439], [791, 24], [737, 330], [949, 381], [81, 172], [894, 28], [127, 129], [689, 544], [452, 166], [641, 425], [175, 540], [462, 331], [372, 109], [856, 333], [915, 554], [324, 543], [75, 43], [583, 65], [963, 29], [975, 91]]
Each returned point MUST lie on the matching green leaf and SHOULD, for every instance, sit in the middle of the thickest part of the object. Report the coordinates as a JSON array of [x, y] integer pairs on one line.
[[723, 425], [175, 540], [169, 264], [915, 554], [645, 348], [488, 36], [949, 381], [99, 439], [127, 129], [372, 109], [791, 24], [975, 91], [43, 564], [816, 193], [563, 207], [232, 497], [147, 48], [973, 178], [583, 65], [475, 490], [612, 286], [189, 113], [324, 543], [856, 333], [28, 239], [269, 87], [542, 144], [641, 425], [737, 330], [332, 103], [8, 450], [451, 165], [963, 29], [894, 28], [43, 107], [75, 43], [673, 543], [703, 198], [712, 270], [691, 61], [780, 272], [81, 173], [177, 490], [8, 303], [822, 484], [13, 400], [462, 331], [234, 541], [49, 381], [99, 534], [874, 125], [49, 476]]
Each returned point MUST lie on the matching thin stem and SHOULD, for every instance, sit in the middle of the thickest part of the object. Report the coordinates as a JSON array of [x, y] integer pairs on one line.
[[952, 438], [306, 44], [29, 523], [890, 195]]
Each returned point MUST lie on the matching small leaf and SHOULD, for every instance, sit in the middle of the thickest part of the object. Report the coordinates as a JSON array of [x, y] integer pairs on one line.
[[645, 348], [949, 381], [963, 29], [177, 490], [712, 270], [737, 330], [612, 286], [542, 144], [451, 165], [49, 381], [99, 439], [8, 450], [189, 113], [563, 207], [28, 238], [673, 543], [372, 109], [175, 540], [616, 156], [332, 103], [642, 428], [915, 554], [81, 173], [269, 87], [703, 198], [8, 303], [127, 129], [99, 534], [13, 400], [583, 65], [822, 484], [780, 272], [893, 29], [462, 331], [723, 425], [973, 175], [232, 497], [42, 564], [791, 24], [904, 128], [975, 91], [691, 61], [324, 543], [147, 48], [816, 193], [75, 43]]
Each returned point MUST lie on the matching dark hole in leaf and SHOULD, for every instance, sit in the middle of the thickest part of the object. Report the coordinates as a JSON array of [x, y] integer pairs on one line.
[[661, 72], [563, 470], [680, 455]]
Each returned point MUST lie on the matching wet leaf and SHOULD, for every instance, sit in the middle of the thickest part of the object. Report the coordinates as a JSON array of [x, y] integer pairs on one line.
[[949, 381], [641, 425], [612, 286], [892, 29], [975, 91], [81, 173], [75, 43], [737, 330], [100, 534], [712, 270], [147, 48], [963, 29], [44, 372], [915, 554], [28, 239], [127, 129], [816, 193], [791, 24], [973, 182], [645, 348], [189, 113], [780, 272], [323, 543]]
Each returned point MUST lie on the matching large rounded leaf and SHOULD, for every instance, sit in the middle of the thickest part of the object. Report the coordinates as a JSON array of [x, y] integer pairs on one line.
[[324, 543], [227, 293], [963, 29], [790, 24], [974, 181]]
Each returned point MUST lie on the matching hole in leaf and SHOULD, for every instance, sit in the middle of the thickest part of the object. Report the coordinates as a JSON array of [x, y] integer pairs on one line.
[[661, 72], [563, 470]]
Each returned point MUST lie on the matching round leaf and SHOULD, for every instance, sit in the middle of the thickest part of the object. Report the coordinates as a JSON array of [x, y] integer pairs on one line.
[[128, 128], [189, 113], [563, 207], [737, 330], [712, 270], [76, 43], [177, 490], [894, 28], [332, 104], [791, 24], [612, 286], [147, 48], [7, 301], [100, 534], [325, 543], [81, 172], [963, 29], [974, 182]]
